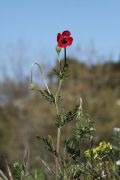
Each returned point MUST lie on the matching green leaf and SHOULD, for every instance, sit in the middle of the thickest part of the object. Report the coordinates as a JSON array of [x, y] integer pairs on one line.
[[72, 149], [17, 171], [83, 130], [48, 96], [63, 73], [61, 120], [48, 144]]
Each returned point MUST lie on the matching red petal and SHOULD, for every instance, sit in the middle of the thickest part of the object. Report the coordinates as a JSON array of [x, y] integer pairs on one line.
[[59, 36], [66, 33], [70, 40], [60, 44]]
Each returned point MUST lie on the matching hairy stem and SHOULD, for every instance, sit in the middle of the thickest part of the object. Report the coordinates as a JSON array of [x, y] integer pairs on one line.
[[58, 56], [59, 129], [42, 74], [58, 139], [57, 109]]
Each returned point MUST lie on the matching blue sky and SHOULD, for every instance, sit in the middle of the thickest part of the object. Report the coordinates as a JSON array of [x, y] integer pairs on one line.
[[35, 24]]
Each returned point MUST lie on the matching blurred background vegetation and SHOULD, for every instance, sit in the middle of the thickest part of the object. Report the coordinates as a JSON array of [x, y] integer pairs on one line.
[[25, 114], [28, 34]]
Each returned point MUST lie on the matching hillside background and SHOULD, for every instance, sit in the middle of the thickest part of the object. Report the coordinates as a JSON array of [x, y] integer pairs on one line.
[[25, 114], [28, 31]]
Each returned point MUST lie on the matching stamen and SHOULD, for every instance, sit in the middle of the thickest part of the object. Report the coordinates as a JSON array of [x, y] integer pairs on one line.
[[64, 40]]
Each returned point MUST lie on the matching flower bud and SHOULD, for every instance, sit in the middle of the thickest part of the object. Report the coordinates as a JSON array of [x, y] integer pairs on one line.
[[32, 86], [58, 49]]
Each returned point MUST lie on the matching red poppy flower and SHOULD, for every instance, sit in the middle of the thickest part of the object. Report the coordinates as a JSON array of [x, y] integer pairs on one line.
[[64, 39]]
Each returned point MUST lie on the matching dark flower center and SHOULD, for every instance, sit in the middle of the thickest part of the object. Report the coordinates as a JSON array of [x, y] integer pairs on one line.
[[64, 40]]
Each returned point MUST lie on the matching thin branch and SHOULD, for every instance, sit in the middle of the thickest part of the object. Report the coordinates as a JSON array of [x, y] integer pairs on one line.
[[3, 176], [45, 164], [41, 71]]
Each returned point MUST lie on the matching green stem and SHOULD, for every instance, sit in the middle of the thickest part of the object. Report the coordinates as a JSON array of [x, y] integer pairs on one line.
[[91, 151], [57, 109], [58, 139], [59, 129], [42, 74], [58, 55], [65, 55]]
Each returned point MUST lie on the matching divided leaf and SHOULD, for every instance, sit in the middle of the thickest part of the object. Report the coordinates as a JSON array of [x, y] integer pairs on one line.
[[48, 143], [61, 120], [48, 96], [63, 73]]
